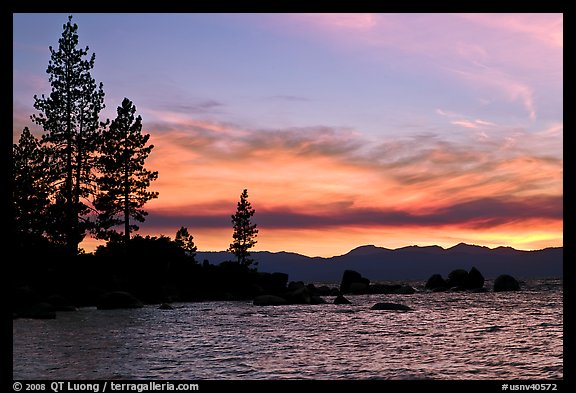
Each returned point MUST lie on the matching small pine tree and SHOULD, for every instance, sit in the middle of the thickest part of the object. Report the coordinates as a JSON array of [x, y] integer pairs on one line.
[[186, 242], [244, 231]]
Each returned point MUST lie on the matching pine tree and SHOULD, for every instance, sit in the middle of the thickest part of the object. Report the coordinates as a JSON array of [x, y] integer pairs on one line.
[[32, 177], [123, 180], [70, 119], [244, 231], [186, 242]]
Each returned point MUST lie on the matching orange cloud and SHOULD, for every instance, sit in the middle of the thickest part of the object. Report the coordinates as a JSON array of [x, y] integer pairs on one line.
[[331, 182]]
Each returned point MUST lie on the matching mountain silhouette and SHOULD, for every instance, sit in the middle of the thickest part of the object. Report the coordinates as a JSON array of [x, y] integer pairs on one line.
[[408, 263]]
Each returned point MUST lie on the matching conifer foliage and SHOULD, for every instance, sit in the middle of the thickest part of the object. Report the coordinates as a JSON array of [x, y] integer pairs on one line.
[[123, 181], [245, 231], [69, 117]]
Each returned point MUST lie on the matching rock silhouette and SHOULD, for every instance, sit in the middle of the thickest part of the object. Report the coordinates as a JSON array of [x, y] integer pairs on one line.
[[340, 299], [269, 300], [353, 282], [390, 307], [505, 282]]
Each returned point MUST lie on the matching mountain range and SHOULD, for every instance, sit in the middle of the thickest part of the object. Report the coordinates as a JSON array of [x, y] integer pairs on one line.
[[406, 263]]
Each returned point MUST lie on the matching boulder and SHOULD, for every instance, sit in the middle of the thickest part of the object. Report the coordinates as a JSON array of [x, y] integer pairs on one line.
[[358, 288], [457, 278], [269, 300], [341, 300], [118, 299], [314, 299], [298, 296], [475, 279], [436, 283], [351, 277], [505, 282], [390, 306]]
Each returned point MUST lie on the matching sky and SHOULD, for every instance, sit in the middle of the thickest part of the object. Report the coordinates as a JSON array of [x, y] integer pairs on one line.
[[346, 129]]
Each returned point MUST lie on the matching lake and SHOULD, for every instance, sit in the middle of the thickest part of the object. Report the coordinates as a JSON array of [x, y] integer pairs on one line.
[[447, 336]]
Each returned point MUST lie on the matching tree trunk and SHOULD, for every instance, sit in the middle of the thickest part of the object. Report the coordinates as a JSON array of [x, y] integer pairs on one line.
[[71, 240], [126, 204]]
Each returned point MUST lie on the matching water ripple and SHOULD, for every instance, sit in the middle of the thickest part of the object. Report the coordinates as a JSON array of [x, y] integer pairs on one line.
[[449, 335]]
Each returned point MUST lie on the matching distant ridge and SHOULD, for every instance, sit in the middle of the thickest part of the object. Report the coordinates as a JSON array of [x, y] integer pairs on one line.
[[408, 263]]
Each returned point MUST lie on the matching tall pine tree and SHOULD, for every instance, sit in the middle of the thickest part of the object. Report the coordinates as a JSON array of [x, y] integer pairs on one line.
[[124, 181], [244, 231], [70, 119]]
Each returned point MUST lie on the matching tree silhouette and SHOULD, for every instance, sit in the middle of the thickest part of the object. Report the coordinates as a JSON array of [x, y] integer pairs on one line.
[[123, 180], [69, 116], [32, 176], [186, 242], [244, 231]]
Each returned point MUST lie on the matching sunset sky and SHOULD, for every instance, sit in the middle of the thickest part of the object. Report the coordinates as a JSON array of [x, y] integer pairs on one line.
[[346, 129]]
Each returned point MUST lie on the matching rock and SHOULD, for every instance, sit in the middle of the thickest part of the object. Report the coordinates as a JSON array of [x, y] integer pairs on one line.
[[317, 300], [404, 290], [436, 282], [60, 303], [505, 282], [358, 288], [298, 296], [341, 300], [165, 306], [269, 300], [118, 299], [351, 277], [475, 279], [39, 311], [457, 278], [390, 306]]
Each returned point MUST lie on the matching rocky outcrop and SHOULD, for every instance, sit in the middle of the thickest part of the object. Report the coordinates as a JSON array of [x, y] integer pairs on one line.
[[390, 307], [505, 282], [458, 280], [118, 299], [353, 282]]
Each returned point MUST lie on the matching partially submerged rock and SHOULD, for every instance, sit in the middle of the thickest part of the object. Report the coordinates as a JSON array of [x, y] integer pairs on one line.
[[390, 306], [506, 282], [269, 300]]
